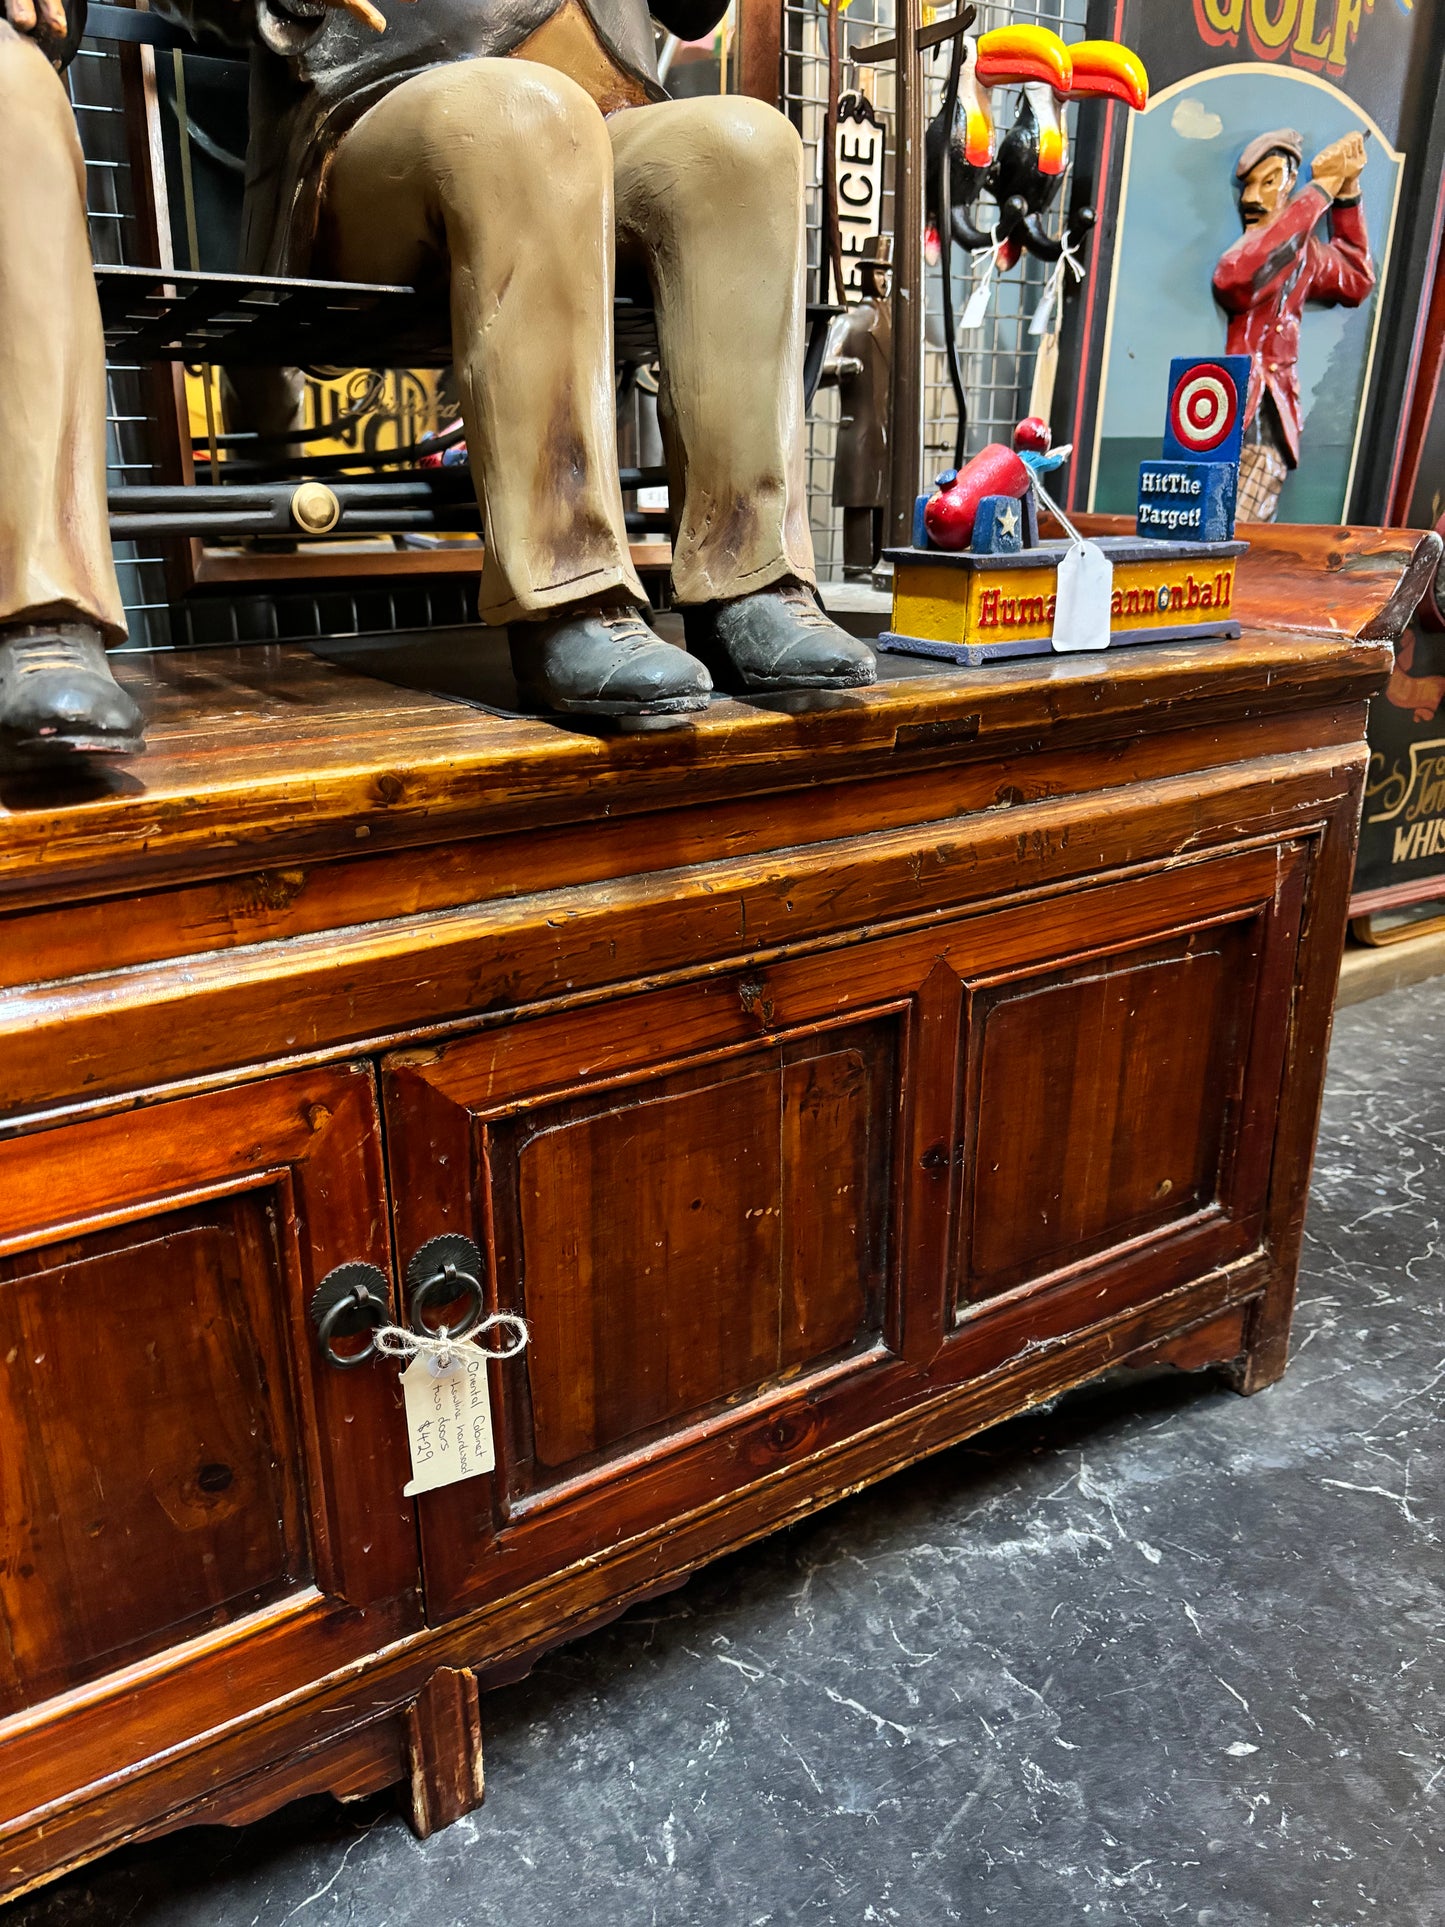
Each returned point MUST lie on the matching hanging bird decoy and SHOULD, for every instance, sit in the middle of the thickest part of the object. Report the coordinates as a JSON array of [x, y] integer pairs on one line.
[[961, 133], [1033, 156]]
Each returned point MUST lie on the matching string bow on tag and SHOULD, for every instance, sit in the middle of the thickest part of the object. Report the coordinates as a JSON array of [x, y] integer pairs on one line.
[[441, 1350]]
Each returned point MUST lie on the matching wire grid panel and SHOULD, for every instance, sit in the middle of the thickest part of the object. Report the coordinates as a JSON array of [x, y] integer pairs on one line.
[[997, 359], [95, 80]]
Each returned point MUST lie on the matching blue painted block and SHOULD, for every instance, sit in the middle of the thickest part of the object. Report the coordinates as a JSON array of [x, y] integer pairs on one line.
[[920, 527], [1204, 421], [998, 526], [1187, 501]]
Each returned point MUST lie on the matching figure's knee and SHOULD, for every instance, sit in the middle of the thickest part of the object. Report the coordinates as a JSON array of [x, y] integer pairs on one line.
[[489, 113], [749, 144]]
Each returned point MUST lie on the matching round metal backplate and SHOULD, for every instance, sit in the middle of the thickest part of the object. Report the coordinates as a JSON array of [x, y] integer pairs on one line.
[[451, 1248], [356, 1279]]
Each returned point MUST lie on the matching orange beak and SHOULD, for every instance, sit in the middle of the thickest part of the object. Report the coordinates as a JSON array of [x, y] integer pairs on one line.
[[1024, 53], [977, 138], [1104, 68], [1053, 150]]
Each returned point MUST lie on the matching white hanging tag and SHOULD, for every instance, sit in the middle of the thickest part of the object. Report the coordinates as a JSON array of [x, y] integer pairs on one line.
[[448, 1419], [1085, 599], [1044, 313], [977, 308], [976, 311]]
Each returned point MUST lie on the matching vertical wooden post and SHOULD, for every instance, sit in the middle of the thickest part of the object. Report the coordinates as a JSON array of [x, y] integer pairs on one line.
[[444, 1752], [760, 49], [906, 399]]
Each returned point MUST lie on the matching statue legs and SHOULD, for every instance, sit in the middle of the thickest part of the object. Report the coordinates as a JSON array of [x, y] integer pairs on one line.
[[503, 168], [710, 198], [59, 600], [505, 174]]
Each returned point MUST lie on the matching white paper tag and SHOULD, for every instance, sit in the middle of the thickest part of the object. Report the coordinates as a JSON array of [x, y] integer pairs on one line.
[[977, 309], [1044, 312], [1085, 598], [448, 1420]]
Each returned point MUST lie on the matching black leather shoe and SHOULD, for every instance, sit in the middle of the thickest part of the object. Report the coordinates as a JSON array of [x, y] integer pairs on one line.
[[777, 639], [607, 662], [58, 699]]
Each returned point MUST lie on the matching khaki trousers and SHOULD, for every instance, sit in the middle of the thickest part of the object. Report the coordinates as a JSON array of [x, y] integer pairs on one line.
[[505, 174], [55, 558]]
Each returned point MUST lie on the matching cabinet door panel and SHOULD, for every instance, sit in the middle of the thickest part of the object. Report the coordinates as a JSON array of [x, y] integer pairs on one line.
[[688, 1244], [1101, 1099], [197, 1516], [705, 1232], [1118, 1105], [149, 1444]]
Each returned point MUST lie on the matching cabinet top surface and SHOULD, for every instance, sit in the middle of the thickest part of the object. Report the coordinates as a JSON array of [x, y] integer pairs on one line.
[[258, 754]]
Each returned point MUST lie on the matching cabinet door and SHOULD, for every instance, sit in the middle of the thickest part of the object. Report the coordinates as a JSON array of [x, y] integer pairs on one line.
[[197, 1516], [700, 1210], [1119, 1085]]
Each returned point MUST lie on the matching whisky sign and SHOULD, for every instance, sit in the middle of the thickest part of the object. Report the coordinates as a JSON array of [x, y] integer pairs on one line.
[[1402, 835]]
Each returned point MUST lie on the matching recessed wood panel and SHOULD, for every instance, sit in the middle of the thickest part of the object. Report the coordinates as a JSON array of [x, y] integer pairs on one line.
[[150, 1482], [1101, 1102], [690, 1237]]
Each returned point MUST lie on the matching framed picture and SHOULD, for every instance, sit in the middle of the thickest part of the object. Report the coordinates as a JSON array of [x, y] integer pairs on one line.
[[1224, 72]]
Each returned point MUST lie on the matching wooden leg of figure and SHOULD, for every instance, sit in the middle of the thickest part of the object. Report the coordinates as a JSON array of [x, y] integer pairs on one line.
[[710, 198], [55, 558], [444, 1752], [504, 169]]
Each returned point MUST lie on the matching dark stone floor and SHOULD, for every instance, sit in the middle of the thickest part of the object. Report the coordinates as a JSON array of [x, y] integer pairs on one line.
[[1157, 1654]]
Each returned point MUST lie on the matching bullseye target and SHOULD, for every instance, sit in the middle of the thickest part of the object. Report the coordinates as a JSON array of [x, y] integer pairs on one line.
[[1204, 409], [1205, 420]]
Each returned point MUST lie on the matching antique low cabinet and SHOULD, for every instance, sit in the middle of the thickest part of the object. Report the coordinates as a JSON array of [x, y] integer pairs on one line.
[[820, 1084]]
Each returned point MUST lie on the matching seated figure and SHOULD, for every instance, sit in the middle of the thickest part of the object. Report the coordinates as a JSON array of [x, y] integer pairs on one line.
[[511, 152]]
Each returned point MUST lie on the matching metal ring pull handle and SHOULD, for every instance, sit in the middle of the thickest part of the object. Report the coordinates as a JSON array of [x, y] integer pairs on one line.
[[446, 1268], [350, 1299]]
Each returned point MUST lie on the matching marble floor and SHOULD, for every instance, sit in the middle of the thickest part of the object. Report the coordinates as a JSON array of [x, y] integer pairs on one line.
[[1156, 1654]]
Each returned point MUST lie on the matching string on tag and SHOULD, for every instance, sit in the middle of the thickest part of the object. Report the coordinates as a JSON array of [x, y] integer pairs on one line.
[[1068, 263], [440, 1350], [1058, 514], [977, 308]]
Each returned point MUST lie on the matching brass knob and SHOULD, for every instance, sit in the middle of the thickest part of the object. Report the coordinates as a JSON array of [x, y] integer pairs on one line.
[[315, 509]]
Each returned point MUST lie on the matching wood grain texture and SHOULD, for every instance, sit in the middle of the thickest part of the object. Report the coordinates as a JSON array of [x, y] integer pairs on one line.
[[443, 1728], [822, 1087]]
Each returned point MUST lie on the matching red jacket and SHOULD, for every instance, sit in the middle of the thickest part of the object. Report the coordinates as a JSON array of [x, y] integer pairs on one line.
[[1265, 279]]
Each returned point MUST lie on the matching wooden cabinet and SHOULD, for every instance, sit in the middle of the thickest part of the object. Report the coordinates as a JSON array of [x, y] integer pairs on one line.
[[820, 1087]]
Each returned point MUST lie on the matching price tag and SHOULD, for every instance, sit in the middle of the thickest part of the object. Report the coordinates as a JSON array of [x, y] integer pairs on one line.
[[1085, 599], [448, 1419]]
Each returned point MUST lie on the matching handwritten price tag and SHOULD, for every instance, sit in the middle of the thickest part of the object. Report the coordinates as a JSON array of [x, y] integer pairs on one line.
[[448, 1419]]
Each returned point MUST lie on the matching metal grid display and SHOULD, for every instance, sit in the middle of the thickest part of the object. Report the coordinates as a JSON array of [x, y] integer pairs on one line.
[[94, 78], [997, 359]]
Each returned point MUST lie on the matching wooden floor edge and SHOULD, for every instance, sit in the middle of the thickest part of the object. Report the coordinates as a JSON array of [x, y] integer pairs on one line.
[[1367, 973]]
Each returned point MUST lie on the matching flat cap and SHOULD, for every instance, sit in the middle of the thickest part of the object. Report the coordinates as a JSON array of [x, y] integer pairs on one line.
[[1284, 140]]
